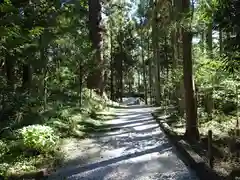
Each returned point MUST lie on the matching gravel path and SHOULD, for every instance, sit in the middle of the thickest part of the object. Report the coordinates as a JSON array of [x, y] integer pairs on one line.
[[139, 150]]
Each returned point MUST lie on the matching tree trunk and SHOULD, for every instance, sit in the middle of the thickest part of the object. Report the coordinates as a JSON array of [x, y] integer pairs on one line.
[[139, 81], [95, 79], [174, 49], [209, 41], [202, 41], [178, 6], [155, 56], [220, 41], [129, 85], [9, 68], [174, 35], [179, 46], [44, 60], [144, 73], [181, 101], [121, 73], [111, 65], [26, 76], [105, 81], [167, 70], [45, 90], [80, 82], [150, 73], [191, 110]]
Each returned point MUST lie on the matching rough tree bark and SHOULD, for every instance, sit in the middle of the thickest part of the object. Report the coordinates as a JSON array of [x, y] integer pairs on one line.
[[209, 41], [190, 99], [150, 73], [111, 64], [121, 69], [144, 71], [95, 79], [155, 55]]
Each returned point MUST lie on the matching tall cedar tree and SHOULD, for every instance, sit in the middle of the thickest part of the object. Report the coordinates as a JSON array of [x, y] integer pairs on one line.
[[190, 99], [95, 78]]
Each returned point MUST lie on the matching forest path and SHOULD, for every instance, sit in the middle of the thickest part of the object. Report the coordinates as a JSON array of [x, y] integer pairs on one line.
[[138, 150]]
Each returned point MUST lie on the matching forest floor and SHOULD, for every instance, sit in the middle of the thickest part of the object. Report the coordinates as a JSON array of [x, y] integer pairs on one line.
[[64, 115], [224, 161], [134, 148]]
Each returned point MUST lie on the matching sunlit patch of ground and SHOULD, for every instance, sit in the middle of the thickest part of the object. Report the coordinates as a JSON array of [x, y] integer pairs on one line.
[[137, 149]]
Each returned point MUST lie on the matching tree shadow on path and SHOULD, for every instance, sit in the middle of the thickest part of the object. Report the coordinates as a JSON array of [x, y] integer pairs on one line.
[[139, 137], [76, 169]]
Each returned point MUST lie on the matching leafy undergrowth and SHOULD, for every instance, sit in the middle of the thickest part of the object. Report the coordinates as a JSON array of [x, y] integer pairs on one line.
[[34, 141], [222, 126]]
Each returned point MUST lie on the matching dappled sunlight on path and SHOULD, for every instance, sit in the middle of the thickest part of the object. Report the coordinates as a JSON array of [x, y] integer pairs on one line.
[[137, 150]]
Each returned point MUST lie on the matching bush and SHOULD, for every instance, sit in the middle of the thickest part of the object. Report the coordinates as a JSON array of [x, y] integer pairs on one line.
[[3, 148], [39, 137]]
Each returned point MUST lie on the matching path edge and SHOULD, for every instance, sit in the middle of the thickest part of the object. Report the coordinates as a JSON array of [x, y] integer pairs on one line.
[[190, 157]]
